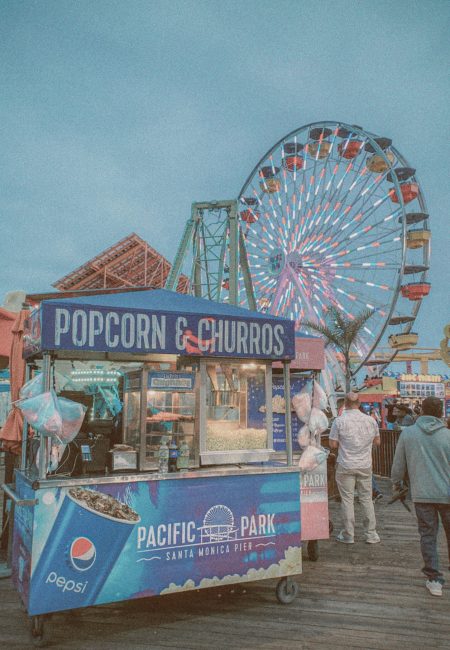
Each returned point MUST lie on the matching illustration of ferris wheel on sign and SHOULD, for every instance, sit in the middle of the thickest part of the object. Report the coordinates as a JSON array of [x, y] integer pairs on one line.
[[333, 215], [218, 525]]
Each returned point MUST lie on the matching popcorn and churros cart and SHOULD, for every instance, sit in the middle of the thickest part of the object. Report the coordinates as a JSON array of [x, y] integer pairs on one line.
[[192, 371]]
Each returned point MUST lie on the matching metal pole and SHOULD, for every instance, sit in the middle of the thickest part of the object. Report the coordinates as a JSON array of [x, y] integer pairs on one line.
[[175, 271], [234, 249], [243, 261], [23, 460], [288, 420], [43, 440]]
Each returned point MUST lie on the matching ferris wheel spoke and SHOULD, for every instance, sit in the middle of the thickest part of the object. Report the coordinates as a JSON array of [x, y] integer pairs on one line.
[[376, 301], [360, 180], [324, 245], [336, 195], [335, 229], [319, 178], [334, 192], [364, 214], [382, 248], [268, 208], [362, 221], [356, 254]]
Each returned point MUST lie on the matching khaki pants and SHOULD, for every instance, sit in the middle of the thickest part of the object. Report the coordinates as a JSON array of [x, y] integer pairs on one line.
[[347, 481]]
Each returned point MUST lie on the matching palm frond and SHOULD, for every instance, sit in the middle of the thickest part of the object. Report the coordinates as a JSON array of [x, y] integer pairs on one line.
[[330, 335], [339, 330]]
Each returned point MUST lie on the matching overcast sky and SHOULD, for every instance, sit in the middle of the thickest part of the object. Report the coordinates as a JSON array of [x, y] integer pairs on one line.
[[117, 115]]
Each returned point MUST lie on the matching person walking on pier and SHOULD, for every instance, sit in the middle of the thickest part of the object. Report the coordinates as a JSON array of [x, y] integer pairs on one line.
[[423, 451], [353, 433]]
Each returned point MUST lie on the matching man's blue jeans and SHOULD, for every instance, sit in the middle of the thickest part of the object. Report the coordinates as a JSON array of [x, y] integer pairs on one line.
[[428, 520]]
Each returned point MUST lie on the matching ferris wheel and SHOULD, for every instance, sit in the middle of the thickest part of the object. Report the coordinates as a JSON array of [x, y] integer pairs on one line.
[[333, 215]]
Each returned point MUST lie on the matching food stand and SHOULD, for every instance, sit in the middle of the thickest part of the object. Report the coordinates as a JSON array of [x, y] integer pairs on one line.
[[231, 516]]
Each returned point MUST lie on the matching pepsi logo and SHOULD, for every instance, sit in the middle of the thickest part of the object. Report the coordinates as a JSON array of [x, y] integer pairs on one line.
[[82, 553]]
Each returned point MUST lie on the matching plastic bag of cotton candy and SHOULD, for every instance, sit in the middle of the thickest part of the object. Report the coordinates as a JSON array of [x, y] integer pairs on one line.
[[304, 437], [42, 413], [309, 434], [312, 457], [304, 401], [320, 399], [33, 387], [318, 422], [302, 404], [53, 416]]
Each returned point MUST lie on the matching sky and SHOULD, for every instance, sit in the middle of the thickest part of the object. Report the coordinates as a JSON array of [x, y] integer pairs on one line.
[[116, 115]]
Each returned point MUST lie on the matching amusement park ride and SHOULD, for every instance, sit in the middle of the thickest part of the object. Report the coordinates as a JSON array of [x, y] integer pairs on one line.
[[330, 215]]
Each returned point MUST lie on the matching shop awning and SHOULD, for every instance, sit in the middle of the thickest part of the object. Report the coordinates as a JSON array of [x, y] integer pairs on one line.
[[160, 322], [309, 353]]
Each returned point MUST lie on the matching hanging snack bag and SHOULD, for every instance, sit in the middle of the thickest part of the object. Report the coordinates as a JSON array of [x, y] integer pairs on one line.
[[312, 457], [302, 404], [33, 387], [320, 399], [72, 415], [42, 413], [318, 422], [304, 436]]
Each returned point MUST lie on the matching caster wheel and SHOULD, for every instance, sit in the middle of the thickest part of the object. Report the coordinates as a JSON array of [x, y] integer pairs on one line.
[[286, 591], [38, 637], [313, 550]]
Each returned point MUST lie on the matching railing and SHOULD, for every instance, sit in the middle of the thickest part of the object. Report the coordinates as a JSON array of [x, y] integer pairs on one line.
[[384, 454]]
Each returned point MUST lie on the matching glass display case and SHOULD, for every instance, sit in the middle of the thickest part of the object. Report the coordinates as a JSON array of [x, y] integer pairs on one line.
[[160, 405], [236, 416]]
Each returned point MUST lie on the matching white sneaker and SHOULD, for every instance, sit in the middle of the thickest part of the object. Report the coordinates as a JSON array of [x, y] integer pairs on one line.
[[345, 540], [373, 539], [434, 587]]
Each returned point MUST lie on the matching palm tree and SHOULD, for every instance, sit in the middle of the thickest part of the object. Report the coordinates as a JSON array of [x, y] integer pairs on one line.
[[343, 333]]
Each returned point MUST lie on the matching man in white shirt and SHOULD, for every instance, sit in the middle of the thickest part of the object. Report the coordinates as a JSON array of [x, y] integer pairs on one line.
[[353, 433]]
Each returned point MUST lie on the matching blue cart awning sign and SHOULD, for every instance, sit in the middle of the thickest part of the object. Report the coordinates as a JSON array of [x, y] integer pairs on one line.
[[157, 321]]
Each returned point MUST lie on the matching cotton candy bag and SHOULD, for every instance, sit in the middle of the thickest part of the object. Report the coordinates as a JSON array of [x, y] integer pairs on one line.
[[42, 413], [72, 416], [312, 457], [302, 404], [33, 387], [320, 399], [318, 422], [304, 436]]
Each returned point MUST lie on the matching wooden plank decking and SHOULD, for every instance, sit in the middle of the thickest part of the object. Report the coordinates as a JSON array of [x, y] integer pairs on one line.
[[363, 597]]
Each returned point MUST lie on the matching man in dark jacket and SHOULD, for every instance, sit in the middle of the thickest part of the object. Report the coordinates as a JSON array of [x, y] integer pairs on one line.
[[423, 450]]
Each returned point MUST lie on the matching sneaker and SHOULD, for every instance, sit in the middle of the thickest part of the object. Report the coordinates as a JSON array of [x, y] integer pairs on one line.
[[377, 497], [373, 539], [345, 540], [434, 587]]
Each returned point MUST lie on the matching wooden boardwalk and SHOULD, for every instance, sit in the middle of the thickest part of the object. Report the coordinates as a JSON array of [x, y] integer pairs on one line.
[[362, 596]]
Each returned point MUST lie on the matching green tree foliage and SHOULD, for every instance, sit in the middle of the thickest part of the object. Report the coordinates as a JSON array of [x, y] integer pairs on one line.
[[343, 333]]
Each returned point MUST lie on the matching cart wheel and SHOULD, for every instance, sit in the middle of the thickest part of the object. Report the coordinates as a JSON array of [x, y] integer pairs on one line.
[[286, 591], [38, 638], [313, 550], [330, 526]]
